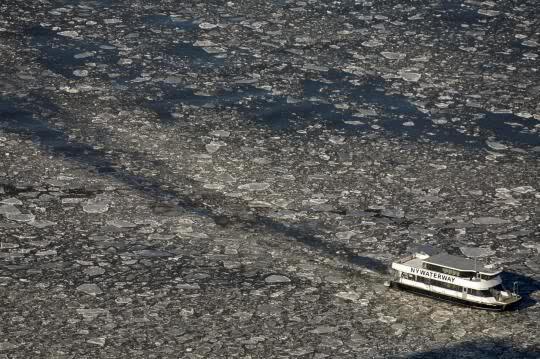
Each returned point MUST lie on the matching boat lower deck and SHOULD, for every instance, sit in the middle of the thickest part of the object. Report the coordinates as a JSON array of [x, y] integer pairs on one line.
[[454, 300]]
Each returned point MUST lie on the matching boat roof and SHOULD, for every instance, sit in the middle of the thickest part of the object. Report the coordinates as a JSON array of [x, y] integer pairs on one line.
[[459, 263]]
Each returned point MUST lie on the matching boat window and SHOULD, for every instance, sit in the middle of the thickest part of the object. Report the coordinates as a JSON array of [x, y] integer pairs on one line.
[[481, 293], [433, 267], [465, 274], [446, 285], [449, 271]]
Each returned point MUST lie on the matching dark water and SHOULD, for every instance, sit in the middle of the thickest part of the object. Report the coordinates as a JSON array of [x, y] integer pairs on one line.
[[388, 111], [15, 119], [196, 56], [175, 96], [281, 2], [510, 128], [57, 52], [90, 3], [169, 21], [454, 13]]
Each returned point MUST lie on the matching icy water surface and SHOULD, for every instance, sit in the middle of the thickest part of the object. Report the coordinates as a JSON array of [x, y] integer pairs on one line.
[[355, 109], [208, 179]]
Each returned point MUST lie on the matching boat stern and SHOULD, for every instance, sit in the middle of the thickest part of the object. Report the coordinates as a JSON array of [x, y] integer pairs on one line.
[[507, 299]]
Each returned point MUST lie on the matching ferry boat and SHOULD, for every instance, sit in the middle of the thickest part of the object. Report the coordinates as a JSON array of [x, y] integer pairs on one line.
[[452, 278]]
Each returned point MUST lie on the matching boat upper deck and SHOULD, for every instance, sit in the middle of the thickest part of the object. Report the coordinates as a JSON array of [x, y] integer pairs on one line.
[[453, 265], [459, 264]]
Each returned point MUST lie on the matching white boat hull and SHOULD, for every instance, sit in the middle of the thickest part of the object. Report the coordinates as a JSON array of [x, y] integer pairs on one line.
[[454, 300]]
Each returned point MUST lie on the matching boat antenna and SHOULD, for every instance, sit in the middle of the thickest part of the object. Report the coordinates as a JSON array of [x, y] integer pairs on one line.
[[475, 252]]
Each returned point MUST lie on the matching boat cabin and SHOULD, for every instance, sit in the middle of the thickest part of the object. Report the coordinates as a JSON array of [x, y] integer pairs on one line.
[[459, 267], [447, 275]]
